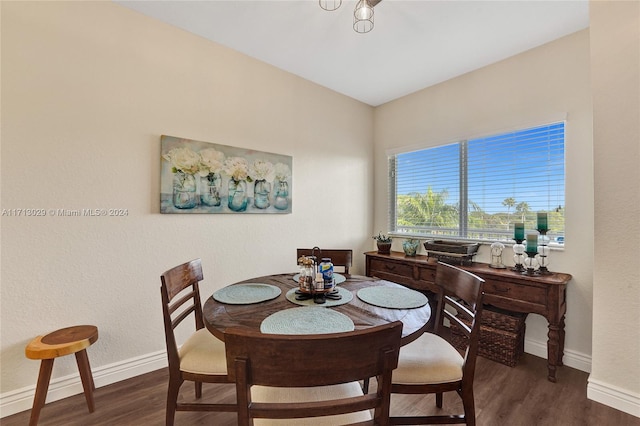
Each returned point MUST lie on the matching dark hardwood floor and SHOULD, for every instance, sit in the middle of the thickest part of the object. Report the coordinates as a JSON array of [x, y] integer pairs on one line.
[[519, 396]]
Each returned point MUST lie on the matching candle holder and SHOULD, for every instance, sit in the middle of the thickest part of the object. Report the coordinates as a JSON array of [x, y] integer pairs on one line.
[[543, 253], [530, 263], [518, 249]]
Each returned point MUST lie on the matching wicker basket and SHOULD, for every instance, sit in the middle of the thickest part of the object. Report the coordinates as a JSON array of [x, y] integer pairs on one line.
[[502, 320], [501, 335]]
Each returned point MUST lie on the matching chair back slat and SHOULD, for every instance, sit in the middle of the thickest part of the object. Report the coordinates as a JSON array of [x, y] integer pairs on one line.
[[186, 298], [459, 323], [459, 283], [461, 308], [184, 314], [302, 409], [182, 276]]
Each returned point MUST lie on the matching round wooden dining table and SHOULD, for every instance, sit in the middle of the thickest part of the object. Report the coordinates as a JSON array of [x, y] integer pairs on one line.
[[220, 316]]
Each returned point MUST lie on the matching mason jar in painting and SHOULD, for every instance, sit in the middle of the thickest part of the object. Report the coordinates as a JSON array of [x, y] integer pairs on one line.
[[184, 190], [281, 201], [210, 190], [237, 198], [261, 192]]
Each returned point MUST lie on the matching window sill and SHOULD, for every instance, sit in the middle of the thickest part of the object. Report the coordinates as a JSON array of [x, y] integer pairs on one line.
[[508, 243]]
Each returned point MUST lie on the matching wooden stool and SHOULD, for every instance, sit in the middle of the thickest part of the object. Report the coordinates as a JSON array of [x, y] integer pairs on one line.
[[59, 343]]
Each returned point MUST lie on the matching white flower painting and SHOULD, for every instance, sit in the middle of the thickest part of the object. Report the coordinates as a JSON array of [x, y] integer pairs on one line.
[[203, 177]]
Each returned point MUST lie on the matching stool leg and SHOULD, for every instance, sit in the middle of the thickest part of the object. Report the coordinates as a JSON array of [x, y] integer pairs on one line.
[[46, 367], [86, 377]]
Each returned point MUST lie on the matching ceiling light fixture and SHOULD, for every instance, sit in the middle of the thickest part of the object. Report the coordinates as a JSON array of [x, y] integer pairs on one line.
[[330, 5], [362, 15]]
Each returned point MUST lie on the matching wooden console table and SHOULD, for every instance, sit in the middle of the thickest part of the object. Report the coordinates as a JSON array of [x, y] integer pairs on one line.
[[504, 288]]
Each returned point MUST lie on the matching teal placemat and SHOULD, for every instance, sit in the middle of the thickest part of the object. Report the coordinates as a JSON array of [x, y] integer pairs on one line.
[[246, 294], [306, 320], [392, 297], [347, 297], [338, 278]]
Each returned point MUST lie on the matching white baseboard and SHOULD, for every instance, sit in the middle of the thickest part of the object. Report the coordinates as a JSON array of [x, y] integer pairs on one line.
[[62, 387], [572, 359], [614, 397]]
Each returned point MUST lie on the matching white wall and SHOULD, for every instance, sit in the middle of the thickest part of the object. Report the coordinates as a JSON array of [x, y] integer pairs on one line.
[[87, 90], [615, 59], [543, 84]]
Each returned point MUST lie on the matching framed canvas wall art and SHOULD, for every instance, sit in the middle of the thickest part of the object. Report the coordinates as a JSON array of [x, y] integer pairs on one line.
[[203, 177]]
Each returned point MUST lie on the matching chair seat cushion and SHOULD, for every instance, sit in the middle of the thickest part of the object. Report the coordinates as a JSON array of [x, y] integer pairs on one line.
[[429, 359], [203, 353], [320, 393]]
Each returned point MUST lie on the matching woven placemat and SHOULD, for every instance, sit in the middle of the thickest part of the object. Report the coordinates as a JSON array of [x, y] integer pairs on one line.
[[392, 297], [338, 278], [306, 320], [246, 294], [347, 297]]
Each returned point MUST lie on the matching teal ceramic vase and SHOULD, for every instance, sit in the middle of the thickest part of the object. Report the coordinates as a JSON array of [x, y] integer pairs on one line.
[[410, 247]]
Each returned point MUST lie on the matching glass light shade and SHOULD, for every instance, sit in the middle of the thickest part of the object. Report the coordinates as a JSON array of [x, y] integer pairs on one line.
[[363, 17], [330, 5]]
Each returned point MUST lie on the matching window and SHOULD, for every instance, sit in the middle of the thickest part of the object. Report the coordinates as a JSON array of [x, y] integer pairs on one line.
[[499, 179]]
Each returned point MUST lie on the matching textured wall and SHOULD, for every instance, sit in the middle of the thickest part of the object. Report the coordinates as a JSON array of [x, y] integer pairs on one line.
[[615, 57], [543, 84], [87, 90]]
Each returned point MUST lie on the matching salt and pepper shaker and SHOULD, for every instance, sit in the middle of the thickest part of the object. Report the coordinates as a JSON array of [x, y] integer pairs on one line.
[[326, 269]]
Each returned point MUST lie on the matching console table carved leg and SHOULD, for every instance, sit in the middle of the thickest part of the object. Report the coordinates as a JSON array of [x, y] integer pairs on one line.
[[561, 349], [553, 350]]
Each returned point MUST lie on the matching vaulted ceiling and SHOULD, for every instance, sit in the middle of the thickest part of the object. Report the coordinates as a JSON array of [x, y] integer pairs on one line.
[[413, 45]]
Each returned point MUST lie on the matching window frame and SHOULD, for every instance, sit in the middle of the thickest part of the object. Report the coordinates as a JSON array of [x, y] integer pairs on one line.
[[463, 228]]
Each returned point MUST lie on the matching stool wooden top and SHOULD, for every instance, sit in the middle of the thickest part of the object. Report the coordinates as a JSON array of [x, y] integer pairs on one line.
[[62, 342]]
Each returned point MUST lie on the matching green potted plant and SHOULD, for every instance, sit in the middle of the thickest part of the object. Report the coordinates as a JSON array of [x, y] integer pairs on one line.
[[383, 242]]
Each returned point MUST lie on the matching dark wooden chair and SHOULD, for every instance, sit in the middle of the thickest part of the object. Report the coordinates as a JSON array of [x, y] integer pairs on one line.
[[430, 364], [201, 358], [339, 257], [314, 377]]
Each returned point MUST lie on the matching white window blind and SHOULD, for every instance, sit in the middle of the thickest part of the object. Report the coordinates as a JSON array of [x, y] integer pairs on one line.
[[499, 180]]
